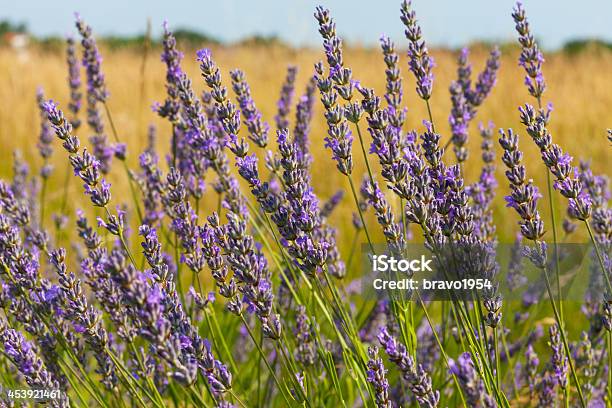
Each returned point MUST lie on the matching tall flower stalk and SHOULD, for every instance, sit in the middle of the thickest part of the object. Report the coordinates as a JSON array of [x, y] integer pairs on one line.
[[523, 199]]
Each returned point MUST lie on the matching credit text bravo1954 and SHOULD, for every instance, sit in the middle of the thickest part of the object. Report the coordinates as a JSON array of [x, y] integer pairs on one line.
[[431, 285]]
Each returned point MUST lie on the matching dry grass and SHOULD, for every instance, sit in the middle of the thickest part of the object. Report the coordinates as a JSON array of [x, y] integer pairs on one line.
[[577, 85]]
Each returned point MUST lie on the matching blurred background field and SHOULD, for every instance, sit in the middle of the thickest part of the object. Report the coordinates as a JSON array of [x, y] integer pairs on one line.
[[579, 83]]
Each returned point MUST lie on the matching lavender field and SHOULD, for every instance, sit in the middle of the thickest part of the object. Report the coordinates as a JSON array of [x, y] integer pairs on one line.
[[196, 229]]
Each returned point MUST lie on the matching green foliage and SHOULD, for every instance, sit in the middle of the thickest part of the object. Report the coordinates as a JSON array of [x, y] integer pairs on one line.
[[189, 37], [580, 45], [7, 26]]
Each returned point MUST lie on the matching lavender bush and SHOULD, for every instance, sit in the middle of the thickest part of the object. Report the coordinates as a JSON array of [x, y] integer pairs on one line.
[[159, 304]]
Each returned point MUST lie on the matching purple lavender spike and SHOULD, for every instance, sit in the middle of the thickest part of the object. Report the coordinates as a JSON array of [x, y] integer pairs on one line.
[[74, 81], [531, 58], [96, 93], [418, 380], [394, 92], [45, 138], [558, 358], [470, 381], [92, 61], [23, 355], [524, 195], [558, 162], [258, 130], [303, 117], [421, 63], [377, 376], [305, 352], [286, 96]]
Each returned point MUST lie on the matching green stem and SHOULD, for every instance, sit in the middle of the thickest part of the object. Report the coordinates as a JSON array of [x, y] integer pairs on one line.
[[221, 337], [64, 199], [599, 257], [365, 228], [122, 240], [365, 155], [440, 346], [263, 356], [609, 365], [42, 203], [497, 367], [147, 378], [125, 166], [127, 379], [433, 127], [58, 334], [555, 240], [563, 337], [349, 263]]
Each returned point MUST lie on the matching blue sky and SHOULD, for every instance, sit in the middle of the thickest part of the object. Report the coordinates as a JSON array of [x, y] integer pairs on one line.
[[444, 22]]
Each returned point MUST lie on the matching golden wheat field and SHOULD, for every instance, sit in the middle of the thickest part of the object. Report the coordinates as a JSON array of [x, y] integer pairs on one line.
[[578, 86]]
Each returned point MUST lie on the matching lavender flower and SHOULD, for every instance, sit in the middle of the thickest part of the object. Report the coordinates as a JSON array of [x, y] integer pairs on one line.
[[377, 377], [226, 111], [558, 163], [305, 352], [464, 70], [531, 368], [203, 141], [303, 117], [151, 184], [459, 120], [258, 130], [96, 93], [286, 96], [546, 390], [486, 80], [172, 59], [558, 359], [585, 357], [482, 192], [251, 272], [466, 100], [524, 195], [384, 214], [421, 64], [531, 58], [386, 143], [86, 167], [184, 221], [331, 204], [87, 317], [418, 380], [394, 91], [339, 75], [22, 353], [92, 61], [74, 81], [45, 138], [213, 255], [470, 381], [339, 137]]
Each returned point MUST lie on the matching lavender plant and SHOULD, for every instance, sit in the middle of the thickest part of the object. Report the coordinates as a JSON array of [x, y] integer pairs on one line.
[[253, 304]]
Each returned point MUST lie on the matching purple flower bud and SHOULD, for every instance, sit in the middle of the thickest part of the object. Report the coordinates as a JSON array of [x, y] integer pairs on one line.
[[421, 64], [286, 96], [258, 130], [377, 376], [74, 81], [531, 58], [470, 381], [418, 380]]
